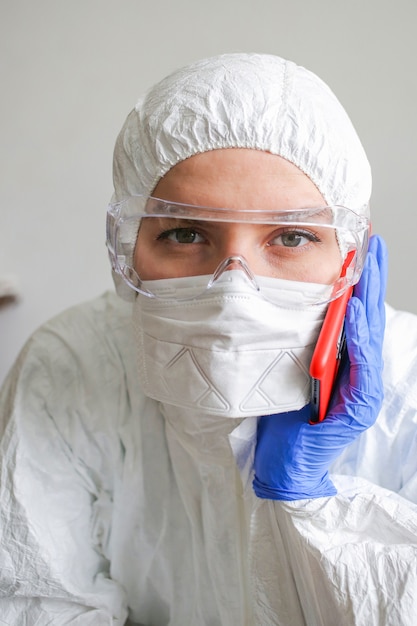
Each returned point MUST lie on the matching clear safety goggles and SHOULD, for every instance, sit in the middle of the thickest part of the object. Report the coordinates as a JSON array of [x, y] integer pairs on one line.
[[150, 239]]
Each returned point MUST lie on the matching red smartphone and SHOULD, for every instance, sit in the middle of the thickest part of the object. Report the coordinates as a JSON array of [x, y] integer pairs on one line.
[[328, 353], [327, 356]]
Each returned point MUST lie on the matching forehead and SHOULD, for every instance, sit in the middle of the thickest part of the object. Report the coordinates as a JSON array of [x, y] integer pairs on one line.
[[239, 178]]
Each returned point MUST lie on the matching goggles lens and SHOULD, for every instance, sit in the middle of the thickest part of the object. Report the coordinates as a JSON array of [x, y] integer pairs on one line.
[[151, 239]]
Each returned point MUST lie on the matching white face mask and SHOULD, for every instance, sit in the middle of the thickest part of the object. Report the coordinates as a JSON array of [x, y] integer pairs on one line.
[[232, 352]]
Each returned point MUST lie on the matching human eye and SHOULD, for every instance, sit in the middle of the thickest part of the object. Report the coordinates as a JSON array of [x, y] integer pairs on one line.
[[294, 238], [181, 236]]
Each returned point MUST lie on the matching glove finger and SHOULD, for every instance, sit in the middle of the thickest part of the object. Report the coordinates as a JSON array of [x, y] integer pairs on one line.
[[368, 288], [359, 398], [378, 248], [359, 336], [371, 292]]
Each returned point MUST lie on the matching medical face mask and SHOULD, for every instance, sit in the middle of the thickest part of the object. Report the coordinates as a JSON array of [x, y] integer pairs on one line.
[[231, 351]]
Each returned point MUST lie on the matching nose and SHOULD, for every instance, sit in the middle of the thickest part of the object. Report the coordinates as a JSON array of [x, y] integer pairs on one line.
[[231, 263]]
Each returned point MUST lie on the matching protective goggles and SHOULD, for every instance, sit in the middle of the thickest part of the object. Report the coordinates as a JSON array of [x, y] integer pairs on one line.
[[150, 239]]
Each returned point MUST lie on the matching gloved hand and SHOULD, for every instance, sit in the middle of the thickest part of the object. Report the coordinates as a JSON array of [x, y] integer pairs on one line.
[[292, 457]]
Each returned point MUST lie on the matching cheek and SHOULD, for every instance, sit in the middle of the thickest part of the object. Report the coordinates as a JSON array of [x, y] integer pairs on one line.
[[151, 266], [142, 258], [323, 268], [331, 266], [322, 273], [143, 262], [332, 269]]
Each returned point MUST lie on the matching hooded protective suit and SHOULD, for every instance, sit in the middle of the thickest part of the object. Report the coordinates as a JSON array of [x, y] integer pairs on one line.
[[115, 506]]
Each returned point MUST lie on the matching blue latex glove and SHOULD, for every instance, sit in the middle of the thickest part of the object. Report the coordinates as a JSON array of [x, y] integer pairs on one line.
[[292, 457]]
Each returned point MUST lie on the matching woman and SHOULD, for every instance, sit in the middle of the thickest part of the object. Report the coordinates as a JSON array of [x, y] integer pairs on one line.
[[160, 467]]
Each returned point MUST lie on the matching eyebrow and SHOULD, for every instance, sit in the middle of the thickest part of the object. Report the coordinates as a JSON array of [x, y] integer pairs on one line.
[[173, 222]]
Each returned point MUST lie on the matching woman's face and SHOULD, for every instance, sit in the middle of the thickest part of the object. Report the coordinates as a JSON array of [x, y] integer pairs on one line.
[[237, 179]]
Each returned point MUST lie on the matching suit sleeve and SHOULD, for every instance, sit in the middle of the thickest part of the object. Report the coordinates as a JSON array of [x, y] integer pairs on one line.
[[55, 513], [349, 559]]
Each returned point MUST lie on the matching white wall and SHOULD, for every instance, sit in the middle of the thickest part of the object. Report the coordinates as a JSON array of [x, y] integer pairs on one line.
[[72, 70]]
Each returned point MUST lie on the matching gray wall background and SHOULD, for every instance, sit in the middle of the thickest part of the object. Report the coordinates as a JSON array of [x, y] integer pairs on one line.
[[72, 70]]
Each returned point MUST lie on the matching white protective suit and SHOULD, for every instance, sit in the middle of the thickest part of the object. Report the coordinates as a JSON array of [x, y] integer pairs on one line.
[[107, 505], [115, 506]]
